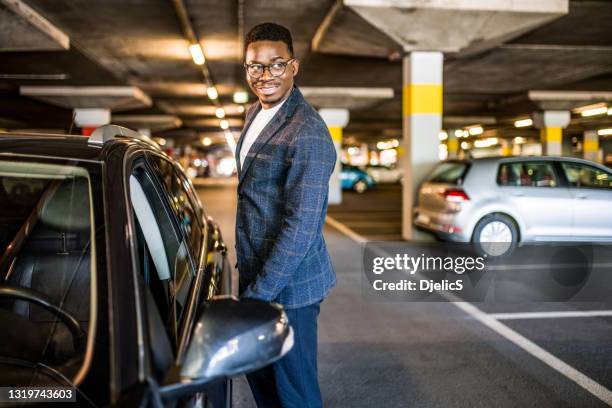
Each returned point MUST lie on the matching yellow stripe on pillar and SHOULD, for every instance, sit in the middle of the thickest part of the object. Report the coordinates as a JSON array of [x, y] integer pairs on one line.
[[453, 145], [551, 134], [422, 99], [590, 145], [336, 133]]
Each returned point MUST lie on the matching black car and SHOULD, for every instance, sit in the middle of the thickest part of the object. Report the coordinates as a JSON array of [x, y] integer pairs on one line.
[[114, 283]]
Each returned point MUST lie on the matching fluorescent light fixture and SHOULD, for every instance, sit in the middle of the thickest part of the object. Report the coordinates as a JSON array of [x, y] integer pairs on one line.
[[212, 93], [610, 111], [523, 123], [592, 110], [197, 54], [442, 135], [240, 109], [465, 145], [595, 111], [519, 140], [466, 133], [241, 97], [206, 141], [385, 145], [604, 132], [224, 124], [220, 113], [458, 133], [491, 141], [475, 130]]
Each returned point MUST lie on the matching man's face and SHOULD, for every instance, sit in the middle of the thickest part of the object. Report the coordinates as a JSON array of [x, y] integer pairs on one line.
[[271, 89]]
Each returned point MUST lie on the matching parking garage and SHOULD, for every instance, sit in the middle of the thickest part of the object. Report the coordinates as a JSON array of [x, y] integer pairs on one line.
[[454, 123]]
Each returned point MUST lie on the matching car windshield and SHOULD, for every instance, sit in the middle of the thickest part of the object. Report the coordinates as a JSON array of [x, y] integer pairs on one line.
[[46, 266], [449, 172]]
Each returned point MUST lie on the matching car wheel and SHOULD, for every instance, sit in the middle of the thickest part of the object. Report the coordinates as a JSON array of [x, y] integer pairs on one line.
[[495, 235], [360, 186]]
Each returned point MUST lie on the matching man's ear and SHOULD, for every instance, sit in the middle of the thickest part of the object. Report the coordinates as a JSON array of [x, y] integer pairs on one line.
[[296, 66]]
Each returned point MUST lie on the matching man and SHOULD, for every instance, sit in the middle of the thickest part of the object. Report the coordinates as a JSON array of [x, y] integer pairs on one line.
[[285, 157]]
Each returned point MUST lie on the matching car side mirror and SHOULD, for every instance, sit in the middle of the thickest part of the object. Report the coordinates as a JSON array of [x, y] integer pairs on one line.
[[231, 337]]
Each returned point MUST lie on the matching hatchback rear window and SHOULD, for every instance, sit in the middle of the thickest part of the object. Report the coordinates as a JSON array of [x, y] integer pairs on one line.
[[451, 173]]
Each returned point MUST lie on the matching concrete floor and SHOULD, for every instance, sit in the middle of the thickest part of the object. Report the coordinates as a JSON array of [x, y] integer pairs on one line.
[[394, 354]]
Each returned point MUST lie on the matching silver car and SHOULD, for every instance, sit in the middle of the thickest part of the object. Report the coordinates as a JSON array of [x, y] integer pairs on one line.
[[517, 199]]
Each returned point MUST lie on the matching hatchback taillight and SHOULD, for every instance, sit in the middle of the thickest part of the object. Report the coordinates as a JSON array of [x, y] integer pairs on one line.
[[455, 195]]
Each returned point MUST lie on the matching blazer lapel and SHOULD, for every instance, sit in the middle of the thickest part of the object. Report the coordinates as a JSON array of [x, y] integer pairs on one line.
[[271, 128], [247, 123]]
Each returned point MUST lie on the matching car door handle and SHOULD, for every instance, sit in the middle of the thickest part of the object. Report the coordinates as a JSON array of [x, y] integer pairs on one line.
[[518, 194], [581, 196]]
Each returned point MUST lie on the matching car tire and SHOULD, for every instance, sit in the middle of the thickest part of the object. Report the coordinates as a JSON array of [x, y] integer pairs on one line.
[[360, 186], [495, 235]]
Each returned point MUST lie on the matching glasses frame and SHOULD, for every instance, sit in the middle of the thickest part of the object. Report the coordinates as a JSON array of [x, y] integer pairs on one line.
[[267, 67]]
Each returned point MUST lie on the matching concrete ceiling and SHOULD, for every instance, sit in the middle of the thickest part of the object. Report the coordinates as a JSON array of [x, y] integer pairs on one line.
[[140, 43]]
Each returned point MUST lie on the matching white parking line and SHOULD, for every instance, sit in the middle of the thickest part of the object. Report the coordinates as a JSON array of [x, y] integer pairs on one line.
[[509, 334], [551, 315]]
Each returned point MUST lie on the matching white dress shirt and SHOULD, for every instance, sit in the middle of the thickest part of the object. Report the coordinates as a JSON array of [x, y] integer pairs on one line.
[[259, 122]]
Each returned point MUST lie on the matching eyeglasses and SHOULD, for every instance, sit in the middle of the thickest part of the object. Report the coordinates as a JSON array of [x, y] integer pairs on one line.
[[276, 69]]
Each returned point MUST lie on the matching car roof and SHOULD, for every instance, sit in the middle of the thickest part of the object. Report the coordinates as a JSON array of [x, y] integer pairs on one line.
[[531, 158], [59, 146]]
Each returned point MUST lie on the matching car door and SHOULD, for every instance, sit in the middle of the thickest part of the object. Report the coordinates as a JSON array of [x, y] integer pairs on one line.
[[534, 189], [591, 190]]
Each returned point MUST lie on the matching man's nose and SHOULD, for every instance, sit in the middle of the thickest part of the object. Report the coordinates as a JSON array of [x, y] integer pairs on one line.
[[266, 74]]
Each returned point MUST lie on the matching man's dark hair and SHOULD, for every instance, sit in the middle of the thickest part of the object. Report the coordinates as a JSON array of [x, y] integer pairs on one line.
[[269, 32]]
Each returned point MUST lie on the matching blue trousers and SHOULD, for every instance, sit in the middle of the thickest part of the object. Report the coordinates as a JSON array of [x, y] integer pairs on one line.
[[292, 382]]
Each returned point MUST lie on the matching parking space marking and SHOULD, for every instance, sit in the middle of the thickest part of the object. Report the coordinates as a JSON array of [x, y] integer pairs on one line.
[[345, 230], [509, 334], [551, 315]]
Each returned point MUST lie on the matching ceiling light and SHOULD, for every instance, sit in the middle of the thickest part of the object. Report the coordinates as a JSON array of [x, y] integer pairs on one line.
[[610, 111], [206, 141], [220, 113], [458, 133], [491, 141], [241, 97], [240, 109], [519, 140], [475, 130], [592, 110], [595, 111], [523, 123], [466, 133], [224, 124], [442, 135], [604, 132], [197, 54], [465, 145], [212, 93]]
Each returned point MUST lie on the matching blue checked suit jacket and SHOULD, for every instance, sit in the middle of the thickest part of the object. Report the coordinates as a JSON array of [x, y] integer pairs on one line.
[[282, 202]]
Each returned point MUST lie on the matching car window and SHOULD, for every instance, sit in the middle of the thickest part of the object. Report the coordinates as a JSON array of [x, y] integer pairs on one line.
[[585, 176], [182, 198], [165, 262], [450, 172], [46, 246], [527, 174]]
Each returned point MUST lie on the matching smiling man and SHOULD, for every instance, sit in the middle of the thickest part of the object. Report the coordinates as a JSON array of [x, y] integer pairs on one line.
[[285, 157]]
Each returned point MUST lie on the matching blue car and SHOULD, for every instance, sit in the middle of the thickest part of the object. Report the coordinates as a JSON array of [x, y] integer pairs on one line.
[[353, 178]]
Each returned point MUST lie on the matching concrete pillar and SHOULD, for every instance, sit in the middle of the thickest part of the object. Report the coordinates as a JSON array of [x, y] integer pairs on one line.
[[452, 144], [551, 124], [590, 145], [422, 122], [89, 119], [336, 120], [506, 147]]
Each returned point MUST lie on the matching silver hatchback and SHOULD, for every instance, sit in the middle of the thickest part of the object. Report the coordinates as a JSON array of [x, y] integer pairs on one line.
[[517, 199]]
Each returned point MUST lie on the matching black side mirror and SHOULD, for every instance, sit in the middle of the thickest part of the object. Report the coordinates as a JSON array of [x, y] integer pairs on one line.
[[231, 337]]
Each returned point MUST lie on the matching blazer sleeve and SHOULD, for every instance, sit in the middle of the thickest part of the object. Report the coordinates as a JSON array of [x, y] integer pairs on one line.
[[306, 189]]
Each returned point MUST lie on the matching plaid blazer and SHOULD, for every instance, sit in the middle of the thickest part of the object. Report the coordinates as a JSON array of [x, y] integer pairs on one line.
[[282, 202]]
